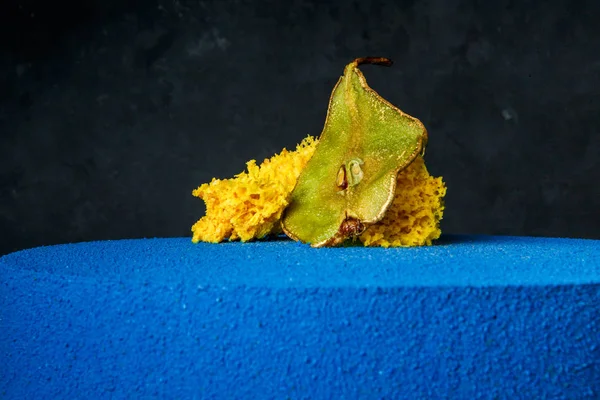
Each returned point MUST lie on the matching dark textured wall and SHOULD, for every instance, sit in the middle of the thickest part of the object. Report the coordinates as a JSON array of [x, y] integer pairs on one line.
[[112, 112]]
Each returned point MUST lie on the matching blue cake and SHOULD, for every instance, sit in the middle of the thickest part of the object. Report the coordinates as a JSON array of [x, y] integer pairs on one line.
[[471, 317]]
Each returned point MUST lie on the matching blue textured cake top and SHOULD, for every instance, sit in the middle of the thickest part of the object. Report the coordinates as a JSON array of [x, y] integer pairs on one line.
[[454, 261]]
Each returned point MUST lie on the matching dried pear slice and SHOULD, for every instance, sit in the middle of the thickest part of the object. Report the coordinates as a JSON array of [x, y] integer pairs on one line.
[[350, 180]]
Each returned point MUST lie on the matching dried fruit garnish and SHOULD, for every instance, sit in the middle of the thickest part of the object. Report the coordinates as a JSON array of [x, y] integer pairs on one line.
[[350, 181]]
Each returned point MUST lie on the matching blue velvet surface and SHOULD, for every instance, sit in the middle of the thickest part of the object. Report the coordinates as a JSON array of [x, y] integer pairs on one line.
[[471, 317]]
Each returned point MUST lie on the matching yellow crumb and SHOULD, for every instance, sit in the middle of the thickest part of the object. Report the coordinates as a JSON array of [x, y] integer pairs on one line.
[[414, 216], [249, 206]]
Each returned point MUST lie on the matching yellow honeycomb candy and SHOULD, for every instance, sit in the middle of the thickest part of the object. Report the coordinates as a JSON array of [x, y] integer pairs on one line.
[[414, 216], [249, 206]]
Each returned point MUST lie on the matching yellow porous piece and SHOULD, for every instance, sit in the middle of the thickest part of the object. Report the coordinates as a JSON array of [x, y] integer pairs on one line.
[[250, 205], [414, 216]]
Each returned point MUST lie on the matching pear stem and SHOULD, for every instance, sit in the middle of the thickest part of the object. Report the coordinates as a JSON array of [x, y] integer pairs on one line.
[[374, 60]]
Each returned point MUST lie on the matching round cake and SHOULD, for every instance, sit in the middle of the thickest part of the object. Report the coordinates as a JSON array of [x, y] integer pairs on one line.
[[469, 317]]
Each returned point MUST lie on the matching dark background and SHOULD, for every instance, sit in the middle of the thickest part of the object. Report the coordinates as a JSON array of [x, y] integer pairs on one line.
[[111, 112]]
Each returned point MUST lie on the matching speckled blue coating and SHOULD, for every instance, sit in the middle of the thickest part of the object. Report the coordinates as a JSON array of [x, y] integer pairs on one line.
[[472, 317]]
